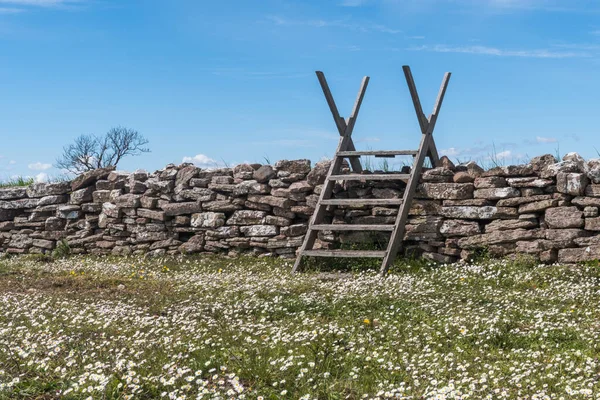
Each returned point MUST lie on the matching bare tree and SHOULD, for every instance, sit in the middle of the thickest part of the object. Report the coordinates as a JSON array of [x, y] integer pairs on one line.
[[90, 152]]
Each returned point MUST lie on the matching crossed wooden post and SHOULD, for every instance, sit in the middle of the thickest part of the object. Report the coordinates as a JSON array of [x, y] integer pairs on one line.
[[346, 149]]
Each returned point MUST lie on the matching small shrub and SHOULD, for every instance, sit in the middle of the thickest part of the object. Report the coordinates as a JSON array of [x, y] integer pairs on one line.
[[62, 250]]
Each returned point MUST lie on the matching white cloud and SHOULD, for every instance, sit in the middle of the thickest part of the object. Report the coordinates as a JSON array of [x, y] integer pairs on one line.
[[41, 177], [38, 166], [12, 162], [503, 154], [10, 10], [493, 51], [202, 161], [40, 3], [450, 152], [540, 139]]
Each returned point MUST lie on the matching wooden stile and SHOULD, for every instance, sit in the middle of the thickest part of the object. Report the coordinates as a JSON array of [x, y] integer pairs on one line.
[[346, 149]]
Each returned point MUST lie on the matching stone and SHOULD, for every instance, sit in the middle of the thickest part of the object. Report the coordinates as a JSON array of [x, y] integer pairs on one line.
[[446, 163], [566, 237], [82, 195], [510, 224], [253, 187], [194, 245], [271, 200], [300, 187], [53, 199], [101, 196], [590, 212], [537, 206], [20, 241], [264, 174], [592, 224], [541, 162], [593, 170], [472, 212], [496, 193], [533, 247], [43, 244], [439, 174], [137, 187], [550, 171], [457, 227], [564, 217], [48, 189], [54, 224], [445, 190], [220, 205], [243, 171], [207, 220], [516, 201], [199, 182], [489, 182], [185, 174], [144, 236], [589, 253], [151, 214], [148, 202], [172, 209], [592, 190], [128, 201], [462, 177], [468, 202], [247, 217], [13, 193], [497, 237], [198, 194], [386, 193], [111, 210], [259, 230], [573, 184], [531, 182], [471, 168], [294, 230], [277, 221], [318, 174], [93, 208], [293, 166], [89, 178], [19, 204], [577, 159]]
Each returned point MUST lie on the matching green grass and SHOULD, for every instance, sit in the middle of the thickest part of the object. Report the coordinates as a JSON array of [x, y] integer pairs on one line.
[[15, 182], [196, 327]]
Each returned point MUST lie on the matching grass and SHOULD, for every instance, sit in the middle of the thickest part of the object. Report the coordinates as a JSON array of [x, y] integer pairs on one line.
[[209, 327], [17, 181]]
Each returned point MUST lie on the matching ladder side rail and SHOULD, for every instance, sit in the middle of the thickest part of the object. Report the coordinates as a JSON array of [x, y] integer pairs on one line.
[[398, 234], [423, 122]]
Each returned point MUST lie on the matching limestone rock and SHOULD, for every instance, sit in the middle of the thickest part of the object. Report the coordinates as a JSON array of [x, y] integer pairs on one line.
[[540, 162], [13, 193], [446, 163], [260, 230], [82, 195], [593, 170], [89, 178], [537, 206], [243, 171], [571, 183], [529, 182], [317, 175], [293, 166], [589, 253], [151, 214], [550, 171], [564, 217], [173, 209], [496, 193], [497, 237], [48, 189], [208, 220], [489, 182], [462, 177], [247, 217], [472, 212], [510, 224], [445, 190], [111, 210], [264, 174], [592, 190], [439, 174], [457, 227]]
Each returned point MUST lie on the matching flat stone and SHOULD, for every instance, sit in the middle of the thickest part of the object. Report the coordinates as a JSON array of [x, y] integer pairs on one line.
[[589, 253], [43, 244], [54, 199], [568, 237], [111, 210], [318, 174], [592, 190], [457, 227], [208, 220], [529, 182], [439, 174], [590, 212], [472, 212], [516, 201], [496, 193], [564, 217], [259, 230], [573, 184], [489, 182], [13, 193], [128, 201], [294, 230], [172, 209], [456, 191], [592, 224], [194, 245], [220, 205], [271, 200], [197, 194], [511, 224], [151, 214], [247, 217], [293, 166], [264, 174], [81, 196], [537, 206], [462, 177], [550, 171], [89, 178], [54, 224], [496, 237], [540, 162]]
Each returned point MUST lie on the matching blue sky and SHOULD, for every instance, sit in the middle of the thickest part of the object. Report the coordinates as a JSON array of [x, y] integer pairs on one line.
[[233, 81]]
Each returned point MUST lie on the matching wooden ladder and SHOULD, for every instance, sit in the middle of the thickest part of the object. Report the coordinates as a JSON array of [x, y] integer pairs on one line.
[[346, 149]]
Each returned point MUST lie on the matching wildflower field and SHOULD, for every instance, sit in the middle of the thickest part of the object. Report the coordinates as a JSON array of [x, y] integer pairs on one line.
[[191, 328]]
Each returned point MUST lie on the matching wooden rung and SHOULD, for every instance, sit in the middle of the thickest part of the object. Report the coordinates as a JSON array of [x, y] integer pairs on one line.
[[362, 202], [370, 177], [344, 253], [378, 153], [352, 227]]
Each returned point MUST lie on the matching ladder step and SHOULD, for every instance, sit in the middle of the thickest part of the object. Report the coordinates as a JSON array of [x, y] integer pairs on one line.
[[352, 227], [378, 153], [362, 202], [371, 177], [344, 253]]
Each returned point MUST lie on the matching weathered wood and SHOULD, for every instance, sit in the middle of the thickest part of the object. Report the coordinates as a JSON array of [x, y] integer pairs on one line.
[[343, 145], [362, 202], [379, 153], [370, 177], [423, 122], [340, 123], [345, 253], [352, 227]]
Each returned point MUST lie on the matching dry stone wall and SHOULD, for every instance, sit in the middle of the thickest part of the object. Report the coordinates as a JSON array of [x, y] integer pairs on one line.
[[547, 209]]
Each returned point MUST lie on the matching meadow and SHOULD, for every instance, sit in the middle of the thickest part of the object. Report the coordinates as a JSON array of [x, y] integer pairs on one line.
[[244, 328]]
